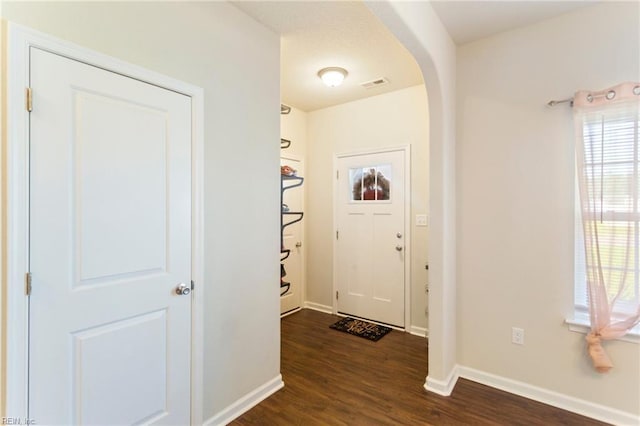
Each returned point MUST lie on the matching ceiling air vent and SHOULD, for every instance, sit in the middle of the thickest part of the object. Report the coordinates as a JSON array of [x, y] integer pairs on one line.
[[375, 83]]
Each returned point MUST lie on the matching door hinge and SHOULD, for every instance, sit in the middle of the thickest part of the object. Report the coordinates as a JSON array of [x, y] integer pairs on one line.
[[193, 285], [29, 99], [337, 295], [27, 283], [337, 174], [337, 235]]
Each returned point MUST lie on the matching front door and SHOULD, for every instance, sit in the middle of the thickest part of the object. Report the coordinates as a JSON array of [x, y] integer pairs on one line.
[[110, 241], [370, 236]]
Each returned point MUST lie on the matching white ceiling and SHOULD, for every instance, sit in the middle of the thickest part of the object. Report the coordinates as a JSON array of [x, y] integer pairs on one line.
[[320, 34], [468, 21]]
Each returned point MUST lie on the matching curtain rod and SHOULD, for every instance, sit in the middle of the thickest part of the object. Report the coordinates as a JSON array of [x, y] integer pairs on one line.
[[610, 94], [553, 103]]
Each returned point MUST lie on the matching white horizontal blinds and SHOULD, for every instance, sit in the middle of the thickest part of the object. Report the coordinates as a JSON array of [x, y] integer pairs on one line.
[[608, 173], [611, 163]]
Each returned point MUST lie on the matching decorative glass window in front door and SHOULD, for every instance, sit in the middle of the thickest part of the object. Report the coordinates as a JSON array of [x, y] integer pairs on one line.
[[370, 183]]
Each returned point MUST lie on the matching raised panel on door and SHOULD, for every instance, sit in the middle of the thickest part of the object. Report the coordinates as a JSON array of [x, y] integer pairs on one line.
[[388, 274], [357, 239], [141, 370], [118, 221], [110, 239]]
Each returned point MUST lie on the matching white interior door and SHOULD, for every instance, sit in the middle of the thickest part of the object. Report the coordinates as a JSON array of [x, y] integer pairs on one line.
[[292, 240], [370, 245], [110, 239]]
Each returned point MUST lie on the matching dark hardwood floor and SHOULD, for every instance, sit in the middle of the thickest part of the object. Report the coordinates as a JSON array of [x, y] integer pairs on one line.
[[333, 378]]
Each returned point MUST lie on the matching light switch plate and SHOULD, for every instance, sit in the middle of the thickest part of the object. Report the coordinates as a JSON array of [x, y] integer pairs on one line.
[[422, 220]]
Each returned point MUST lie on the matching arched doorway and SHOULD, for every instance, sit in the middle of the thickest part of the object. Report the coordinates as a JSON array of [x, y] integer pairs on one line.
[[416, 25]]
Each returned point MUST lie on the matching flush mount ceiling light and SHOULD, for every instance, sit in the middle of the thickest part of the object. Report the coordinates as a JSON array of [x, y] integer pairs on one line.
[[332, 76]]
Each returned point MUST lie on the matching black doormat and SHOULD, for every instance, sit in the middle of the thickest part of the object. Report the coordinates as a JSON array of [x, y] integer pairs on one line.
[[361, 328]]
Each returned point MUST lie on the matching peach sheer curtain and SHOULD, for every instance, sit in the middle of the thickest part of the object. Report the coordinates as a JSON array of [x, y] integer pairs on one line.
[[607, 156]]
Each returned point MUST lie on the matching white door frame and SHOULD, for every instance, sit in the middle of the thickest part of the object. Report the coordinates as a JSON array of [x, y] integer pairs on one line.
[[406, 149], [17, 243]]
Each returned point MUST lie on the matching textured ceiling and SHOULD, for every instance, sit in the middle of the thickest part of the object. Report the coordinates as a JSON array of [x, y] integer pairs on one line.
[[320, 34]]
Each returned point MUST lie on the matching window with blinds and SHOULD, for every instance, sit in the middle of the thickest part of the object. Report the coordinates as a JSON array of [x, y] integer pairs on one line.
[[611, 178]]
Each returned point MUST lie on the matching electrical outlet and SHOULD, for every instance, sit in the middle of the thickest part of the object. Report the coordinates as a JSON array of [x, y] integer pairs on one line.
[[517, 335]]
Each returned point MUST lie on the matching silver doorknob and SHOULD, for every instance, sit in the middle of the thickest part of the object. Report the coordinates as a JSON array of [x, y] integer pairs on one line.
[[298, 244], [399, 235], [399, 248], [183, 289]]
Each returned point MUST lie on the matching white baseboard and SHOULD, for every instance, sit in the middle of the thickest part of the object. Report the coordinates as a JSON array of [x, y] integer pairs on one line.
[[293, 311], [442, 387], [419, 331], [566, 402], [246, 403], [318, 307]]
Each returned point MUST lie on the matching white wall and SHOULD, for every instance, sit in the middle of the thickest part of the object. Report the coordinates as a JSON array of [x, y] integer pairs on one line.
[[392, 119], [236, 60], [293, 126], [515, 172], [3, 231]]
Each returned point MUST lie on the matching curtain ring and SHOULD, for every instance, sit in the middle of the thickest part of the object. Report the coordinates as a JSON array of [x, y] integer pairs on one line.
[[636, 90], [611, 94], [589, 97]]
